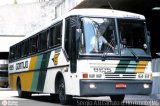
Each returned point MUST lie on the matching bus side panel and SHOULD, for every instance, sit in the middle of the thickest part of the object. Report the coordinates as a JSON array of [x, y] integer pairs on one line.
[[57, 63], [12, 81], [26, 79]]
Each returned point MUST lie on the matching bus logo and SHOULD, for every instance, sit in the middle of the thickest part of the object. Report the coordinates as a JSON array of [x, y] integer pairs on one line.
[[55, 59]]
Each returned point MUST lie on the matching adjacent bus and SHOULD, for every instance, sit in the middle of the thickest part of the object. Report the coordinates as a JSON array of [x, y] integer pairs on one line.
[[66, 58], [4, 69]]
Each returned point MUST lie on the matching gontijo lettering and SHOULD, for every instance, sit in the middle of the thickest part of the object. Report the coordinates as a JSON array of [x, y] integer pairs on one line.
[[22, 65]]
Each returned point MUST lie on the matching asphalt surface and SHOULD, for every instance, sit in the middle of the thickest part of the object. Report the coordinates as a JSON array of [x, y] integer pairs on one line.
[[10, 98]]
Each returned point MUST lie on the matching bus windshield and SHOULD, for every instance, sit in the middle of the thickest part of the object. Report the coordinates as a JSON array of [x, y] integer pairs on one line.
[[132, 37], [99, 36]]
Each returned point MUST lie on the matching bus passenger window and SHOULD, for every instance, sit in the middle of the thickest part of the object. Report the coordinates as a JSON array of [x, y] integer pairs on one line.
[[58, 33], [26, 48], [55, 35], [12, 53], [43, 40], [33, 43], [23, 48], [18, 51], [51, 37]]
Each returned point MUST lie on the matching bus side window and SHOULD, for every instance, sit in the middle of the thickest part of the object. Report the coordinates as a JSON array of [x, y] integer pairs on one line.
[[33, 44], [43, 40], [26, 48], [12, 53], [51, 37], [58, 33], [18, 51], [23, 48], [55, 35]]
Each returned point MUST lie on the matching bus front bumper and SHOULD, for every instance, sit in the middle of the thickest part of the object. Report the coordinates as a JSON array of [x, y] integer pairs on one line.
[[109, 87]]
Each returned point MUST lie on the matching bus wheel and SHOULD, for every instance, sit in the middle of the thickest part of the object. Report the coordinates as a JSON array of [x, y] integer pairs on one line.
[[21, 93], [63, 98], [5, 85], [55, 97], [117, 98]]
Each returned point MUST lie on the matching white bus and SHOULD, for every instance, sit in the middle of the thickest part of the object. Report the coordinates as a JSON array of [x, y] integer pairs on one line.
[[67, 58], [4, 69]]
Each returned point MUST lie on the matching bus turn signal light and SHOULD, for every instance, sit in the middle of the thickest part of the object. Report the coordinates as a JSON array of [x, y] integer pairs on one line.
[[85, 75]]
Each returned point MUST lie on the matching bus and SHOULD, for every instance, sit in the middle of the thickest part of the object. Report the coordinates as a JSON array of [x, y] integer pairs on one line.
[[60, 58], [4, 69]]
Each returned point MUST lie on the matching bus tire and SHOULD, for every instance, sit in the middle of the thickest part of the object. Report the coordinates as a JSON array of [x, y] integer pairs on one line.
[[63, 98], [55, 97], [22, 94], [5, 85], [117, 98]]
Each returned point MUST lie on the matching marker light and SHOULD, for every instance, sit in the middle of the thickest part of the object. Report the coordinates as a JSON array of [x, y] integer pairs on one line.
[[98, 75], [91, 75], [85, 75]]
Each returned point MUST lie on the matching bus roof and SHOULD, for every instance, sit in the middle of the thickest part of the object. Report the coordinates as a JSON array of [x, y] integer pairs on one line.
[[105, 13], [91, 12]]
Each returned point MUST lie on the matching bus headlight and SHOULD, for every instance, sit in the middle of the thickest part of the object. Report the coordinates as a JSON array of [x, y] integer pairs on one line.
[[92, 85], [146, 86]]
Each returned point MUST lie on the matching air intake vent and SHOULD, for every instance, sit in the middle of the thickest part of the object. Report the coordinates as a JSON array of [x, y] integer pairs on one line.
[[120, 76]]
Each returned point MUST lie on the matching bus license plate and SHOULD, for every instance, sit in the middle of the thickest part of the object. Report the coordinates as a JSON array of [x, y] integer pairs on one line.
[[121, 85]]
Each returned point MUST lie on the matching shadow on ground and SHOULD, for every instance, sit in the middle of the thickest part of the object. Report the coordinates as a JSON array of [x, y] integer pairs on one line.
[[85, 102]]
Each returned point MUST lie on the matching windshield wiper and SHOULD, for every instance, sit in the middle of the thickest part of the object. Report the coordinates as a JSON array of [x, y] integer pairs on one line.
[[137, 58]]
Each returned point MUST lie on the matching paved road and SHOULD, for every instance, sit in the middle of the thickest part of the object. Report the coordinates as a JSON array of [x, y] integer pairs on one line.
[[10, 98]]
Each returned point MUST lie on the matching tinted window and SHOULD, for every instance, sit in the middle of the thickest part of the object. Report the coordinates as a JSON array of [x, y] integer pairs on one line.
[[43, 40], [18, 51], [26, 48], [56, 34], [33, 44], [12, 53]]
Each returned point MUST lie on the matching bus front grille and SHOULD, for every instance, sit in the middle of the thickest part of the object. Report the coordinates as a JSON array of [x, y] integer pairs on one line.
[[120, 76]]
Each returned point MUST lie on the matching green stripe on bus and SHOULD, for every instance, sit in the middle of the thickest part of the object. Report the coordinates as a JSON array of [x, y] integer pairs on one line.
[[35, 80], [121, 67], [36, 73], [43, 71], [38, 62], [131, 67]]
